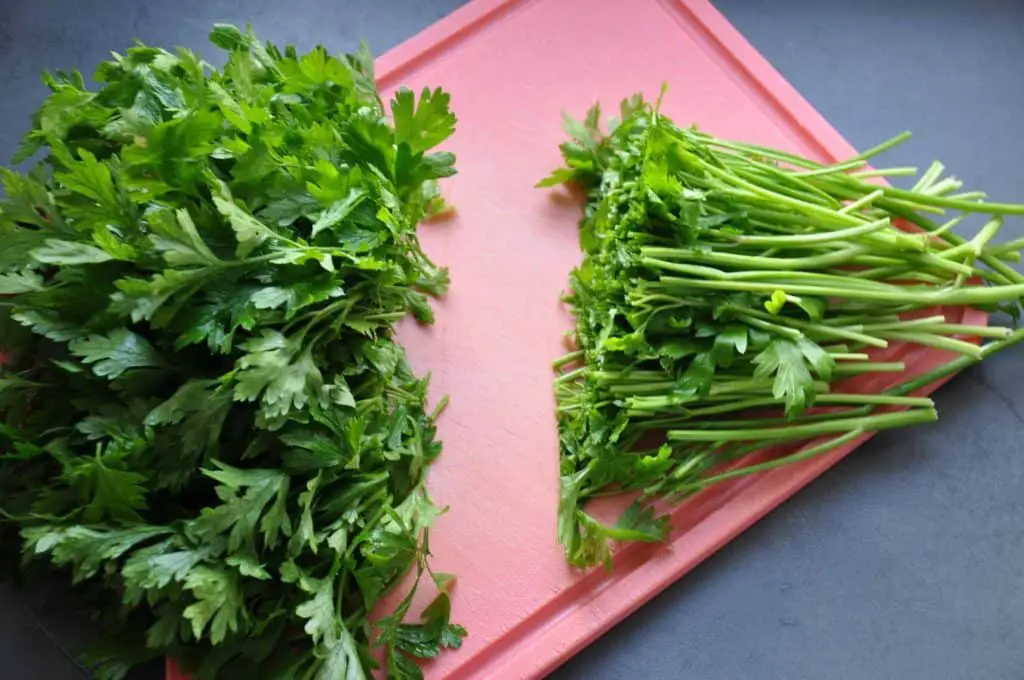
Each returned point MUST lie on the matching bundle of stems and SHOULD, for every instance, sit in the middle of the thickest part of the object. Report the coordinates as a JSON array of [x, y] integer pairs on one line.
[[734, 298]]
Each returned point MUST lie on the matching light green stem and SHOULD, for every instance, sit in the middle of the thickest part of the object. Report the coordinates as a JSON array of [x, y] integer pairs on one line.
[[882, 421]]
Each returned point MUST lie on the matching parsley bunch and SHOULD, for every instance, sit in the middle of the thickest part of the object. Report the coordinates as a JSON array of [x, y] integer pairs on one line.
[[204, 415], [728, 298]]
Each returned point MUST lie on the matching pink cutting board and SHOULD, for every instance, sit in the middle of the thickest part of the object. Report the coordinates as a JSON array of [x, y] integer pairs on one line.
[[512, 67]]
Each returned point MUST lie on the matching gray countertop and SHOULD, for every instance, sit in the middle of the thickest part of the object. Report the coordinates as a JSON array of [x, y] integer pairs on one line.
[[904, 561]]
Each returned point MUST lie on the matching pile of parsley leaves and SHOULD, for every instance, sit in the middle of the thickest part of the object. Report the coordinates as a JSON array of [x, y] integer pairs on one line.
[[204, 415]]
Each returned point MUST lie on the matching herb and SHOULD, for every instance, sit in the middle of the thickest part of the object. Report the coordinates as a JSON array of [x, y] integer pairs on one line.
[[728, 295], [206, 418]]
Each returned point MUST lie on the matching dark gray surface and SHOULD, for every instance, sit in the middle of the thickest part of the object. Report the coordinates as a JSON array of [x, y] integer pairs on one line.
[[905, 561]]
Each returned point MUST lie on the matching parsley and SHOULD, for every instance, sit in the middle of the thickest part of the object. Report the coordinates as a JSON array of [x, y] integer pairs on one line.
[[204, 415], [726, 290]]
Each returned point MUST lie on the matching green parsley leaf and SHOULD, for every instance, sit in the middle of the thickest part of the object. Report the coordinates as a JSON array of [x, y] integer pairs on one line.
[[218, 603], [116, 352], [20, 282], [425, 125], [793, 381], [58, 251]]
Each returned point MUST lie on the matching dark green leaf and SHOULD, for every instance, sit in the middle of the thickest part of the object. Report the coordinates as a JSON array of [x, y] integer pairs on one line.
[[23, 282], [116, 352], [61, 252]]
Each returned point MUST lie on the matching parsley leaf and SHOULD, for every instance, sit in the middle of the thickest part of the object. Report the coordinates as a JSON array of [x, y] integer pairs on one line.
[[793, 381], [116, 352], [218, 602], [425, 125]]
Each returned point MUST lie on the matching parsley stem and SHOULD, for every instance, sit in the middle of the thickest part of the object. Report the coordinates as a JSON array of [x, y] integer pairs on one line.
[[905, 171], [824, 260], [816, 329], [966, 329], [869, 367], [778, 329], [849, 356], [864, 201], [567, 359], [957, 364], [881, 421], [920, 200], [245, 262], [806, 453], [832, 169], [1009, 248], [827, 398], [937, 341], [919, 295], [571, 375], [826, 215], [804, 240], [889, 322]]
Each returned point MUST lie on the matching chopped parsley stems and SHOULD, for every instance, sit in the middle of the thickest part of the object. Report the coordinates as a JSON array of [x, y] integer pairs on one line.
[[728, 295]]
